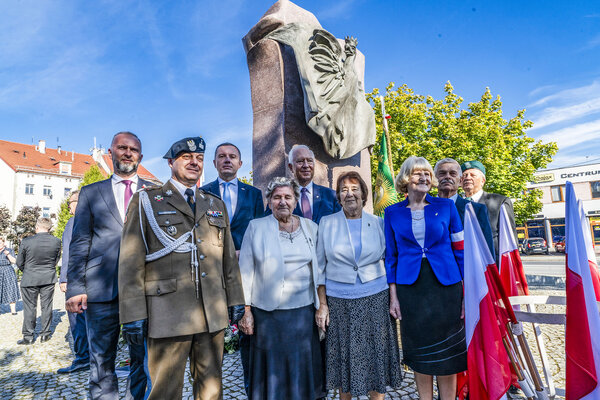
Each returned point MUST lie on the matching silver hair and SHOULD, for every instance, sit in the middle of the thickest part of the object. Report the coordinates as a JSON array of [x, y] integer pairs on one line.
[[298, 147], [44, 223], [447, 161], [411, 164], [280, 181]]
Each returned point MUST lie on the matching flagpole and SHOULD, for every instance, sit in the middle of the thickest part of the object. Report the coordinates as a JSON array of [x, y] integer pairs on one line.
[[387, 134]]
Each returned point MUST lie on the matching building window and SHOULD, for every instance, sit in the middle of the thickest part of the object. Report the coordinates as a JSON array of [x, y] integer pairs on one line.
[[67, 192], [29, 188], [48, 191], [64, 168], [595, 186], [557, 194], [46, 212]]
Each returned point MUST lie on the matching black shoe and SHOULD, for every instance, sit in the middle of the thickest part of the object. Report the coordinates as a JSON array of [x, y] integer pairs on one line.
[[76, 366], [45, 338], [515, 393], [25, 341]]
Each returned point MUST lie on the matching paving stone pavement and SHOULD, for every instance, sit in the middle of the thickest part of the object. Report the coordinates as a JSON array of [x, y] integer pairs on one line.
[[29, 372]]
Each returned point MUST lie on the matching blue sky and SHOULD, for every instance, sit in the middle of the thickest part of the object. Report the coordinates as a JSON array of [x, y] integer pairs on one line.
[[75, 70]]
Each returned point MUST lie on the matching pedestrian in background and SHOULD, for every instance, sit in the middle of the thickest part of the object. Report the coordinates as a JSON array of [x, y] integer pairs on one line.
[[9, 289], [279, 267], [38, 256], [76, 321], [424, 264], [362, 346]]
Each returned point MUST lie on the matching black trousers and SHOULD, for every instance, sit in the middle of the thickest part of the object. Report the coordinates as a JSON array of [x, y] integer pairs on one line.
[[30, 299]]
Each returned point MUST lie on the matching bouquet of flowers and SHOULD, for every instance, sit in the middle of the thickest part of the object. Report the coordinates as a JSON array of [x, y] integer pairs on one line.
[[232, 338]]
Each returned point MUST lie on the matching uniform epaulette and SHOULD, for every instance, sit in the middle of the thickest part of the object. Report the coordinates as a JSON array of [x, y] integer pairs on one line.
[[205, 192], [147, 188]]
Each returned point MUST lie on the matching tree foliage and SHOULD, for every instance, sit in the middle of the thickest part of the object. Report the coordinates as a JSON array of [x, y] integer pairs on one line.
[[5, 220], [23, 225], [93, 174], [436, 129]]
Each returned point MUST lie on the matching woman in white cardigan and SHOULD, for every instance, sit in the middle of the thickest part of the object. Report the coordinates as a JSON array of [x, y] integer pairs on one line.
[[362, 347], [278, 263]]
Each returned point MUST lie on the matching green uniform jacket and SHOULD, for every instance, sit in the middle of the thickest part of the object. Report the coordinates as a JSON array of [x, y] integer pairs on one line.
[[162, 290]]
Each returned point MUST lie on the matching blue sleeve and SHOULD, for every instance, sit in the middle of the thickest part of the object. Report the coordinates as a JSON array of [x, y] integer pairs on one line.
[[457, 237], [79, 248], [66, 240], [391, 250]]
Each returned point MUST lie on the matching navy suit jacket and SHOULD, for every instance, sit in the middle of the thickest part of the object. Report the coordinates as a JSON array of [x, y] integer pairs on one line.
[[482, 217], [66, 241], [95, 245], [249, 206], [324, 203], [444, 242]]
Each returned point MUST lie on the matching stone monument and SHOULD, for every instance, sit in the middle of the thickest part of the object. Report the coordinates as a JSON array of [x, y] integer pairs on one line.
[[307, 88]]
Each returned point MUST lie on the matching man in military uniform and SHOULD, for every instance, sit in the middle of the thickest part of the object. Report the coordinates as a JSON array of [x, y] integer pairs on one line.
[[178, 273]]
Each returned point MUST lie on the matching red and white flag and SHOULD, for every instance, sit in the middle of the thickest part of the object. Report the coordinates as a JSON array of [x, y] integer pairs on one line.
[[582, 338], [511, 267], [489, 374]]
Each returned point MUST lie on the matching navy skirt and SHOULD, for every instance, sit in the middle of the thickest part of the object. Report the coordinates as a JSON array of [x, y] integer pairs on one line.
[[9, 288], [433, 334], [285, 357]]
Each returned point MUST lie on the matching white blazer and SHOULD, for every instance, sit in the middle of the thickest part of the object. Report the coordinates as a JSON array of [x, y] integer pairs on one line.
[[262, 266], [335, 251]]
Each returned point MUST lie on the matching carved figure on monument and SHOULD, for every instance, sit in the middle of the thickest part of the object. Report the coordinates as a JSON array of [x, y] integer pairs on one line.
[[335, 107]]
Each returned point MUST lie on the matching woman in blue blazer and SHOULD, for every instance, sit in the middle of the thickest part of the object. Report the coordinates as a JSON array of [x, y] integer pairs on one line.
[[424, 265]]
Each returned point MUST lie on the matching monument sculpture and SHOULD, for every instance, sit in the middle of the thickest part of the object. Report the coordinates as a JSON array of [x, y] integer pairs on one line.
[[307, 88]]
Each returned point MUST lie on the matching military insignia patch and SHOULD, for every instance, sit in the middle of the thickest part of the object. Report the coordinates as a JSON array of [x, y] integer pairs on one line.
[[215, 214], [191, 145], [158, 197], [172, 230]]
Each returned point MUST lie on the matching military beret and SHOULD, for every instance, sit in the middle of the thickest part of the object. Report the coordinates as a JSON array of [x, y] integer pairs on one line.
[[472, 164], [187, 145]]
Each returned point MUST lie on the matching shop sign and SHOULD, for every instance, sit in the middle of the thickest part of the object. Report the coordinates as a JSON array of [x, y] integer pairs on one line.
[[543, 178], [578, 174]]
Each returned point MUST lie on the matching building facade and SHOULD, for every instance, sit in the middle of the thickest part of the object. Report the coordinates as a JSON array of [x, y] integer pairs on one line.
[[551, 221], [34, 175]]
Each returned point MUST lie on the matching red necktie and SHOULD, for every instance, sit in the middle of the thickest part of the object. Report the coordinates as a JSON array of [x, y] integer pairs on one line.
[[305, 204], [128, 193]]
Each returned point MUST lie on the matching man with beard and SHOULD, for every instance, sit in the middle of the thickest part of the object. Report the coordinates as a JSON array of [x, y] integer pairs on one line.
[[449, 174], [92, 270]]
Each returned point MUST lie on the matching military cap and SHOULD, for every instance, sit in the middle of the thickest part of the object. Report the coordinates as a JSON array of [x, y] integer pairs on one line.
[[187, 145], [472, 164]]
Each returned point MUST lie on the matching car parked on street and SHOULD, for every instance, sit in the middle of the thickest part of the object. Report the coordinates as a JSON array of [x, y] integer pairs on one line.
[[559, 244], [535, 245]]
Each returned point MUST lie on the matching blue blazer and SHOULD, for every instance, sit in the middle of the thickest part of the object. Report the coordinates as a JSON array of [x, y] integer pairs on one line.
[[96, 242], [324, 203], [482, 217], [249, 206], [444, 242]]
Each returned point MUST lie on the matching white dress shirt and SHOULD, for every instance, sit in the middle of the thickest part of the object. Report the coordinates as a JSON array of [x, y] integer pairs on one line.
[[181, 188], [477, 196], [233, 193], [119, 191], [454, 197], [309, 194]]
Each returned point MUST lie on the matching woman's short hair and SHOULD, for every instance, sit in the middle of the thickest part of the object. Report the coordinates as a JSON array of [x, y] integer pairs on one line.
[[410, 165], [280, 181], [352, 176]]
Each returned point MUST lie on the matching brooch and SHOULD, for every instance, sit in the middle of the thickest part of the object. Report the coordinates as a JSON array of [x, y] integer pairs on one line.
[[172, 230], [158, 197], [216, 214], [169, 192]]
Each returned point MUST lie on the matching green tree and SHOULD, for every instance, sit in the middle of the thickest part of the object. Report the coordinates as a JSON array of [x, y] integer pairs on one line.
[[93, 174], [247, 180], [435, 129], [5, 220], [23, 225]]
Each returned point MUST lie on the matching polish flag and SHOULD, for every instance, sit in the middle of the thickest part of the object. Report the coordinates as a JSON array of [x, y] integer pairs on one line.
[[582, 336], [489, 373], [512, 274]]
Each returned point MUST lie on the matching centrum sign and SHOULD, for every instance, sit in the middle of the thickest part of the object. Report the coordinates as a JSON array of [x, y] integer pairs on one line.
[[578, 174], [543, 178]]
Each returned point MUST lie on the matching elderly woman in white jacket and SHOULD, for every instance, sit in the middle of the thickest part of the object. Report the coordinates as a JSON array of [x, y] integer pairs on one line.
[[278, 263], [362, 347]]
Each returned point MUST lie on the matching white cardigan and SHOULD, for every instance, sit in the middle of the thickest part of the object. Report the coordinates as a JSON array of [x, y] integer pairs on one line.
[[335, 251], [261, 262]]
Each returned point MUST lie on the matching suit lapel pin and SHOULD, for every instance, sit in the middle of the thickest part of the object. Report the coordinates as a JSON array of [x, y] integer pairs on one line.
[[436, 214], [172, 230]]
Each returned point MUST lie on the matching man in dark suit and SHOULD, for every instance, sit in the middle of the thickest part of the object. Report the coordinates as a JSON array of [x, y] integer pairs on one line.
[[92, 271], [76, 321], [473, 180], [38, 256], [316, 201], [448, 174], [244, 203]]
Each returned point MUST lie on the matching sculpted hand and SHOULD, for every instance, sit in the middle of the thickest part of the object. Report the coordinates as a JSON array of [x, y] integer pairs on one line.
[[247, 323], [322, 317], [77, 304], [135, 332], [395, 308], [63, 287]]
